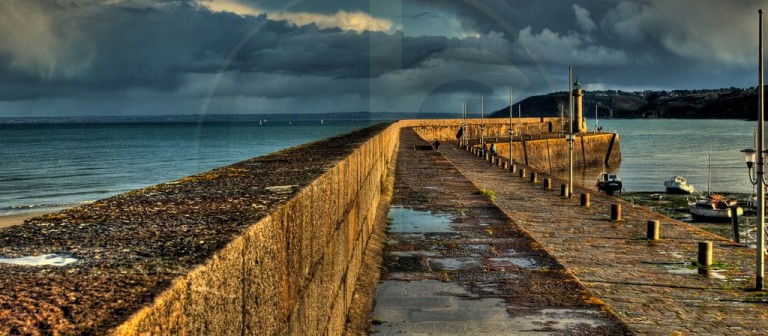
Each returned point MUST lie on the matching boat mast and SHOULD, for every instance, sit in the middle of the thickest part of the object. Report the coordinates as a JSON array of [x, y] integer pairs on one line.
[[709, 174], [597, 122]]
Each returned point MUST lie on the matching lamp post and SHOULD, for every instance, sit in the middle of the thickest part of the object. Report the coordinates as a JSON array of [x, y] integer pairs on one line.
[[482, 125], [756, 164], [464, 124], [570, 131], [511, 128]]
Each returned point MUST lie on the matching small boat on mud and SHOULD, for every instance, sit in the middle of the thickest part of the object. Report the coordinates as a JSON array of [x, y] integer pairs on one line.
[[714, 208], [678, 185], [609, 183]]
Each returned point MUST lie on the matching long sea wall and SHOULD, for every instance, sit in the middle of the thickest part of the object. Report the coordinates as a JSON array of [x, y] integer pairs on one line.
[[267, 246], [493, 128]]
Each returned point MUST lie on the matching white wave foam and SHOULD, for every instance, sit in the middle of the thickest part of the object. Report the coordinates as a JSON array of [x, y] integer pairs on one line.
[[41, 260]]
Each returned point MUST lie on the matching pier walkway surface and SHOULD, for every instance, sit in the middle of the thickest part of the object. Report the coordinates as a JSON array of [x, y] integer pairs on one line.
[[534, 262]]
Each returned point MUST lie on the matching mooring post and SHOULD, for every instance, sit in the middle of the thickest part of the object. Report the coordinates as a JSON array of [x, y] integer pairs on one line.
[[615, 212], [735, 224], [505, 165], [564, 190], [493, 160], [513, 169], [523, 173], [652, 233], [547, 183], [534, 177], [585, 200], [705, 256]]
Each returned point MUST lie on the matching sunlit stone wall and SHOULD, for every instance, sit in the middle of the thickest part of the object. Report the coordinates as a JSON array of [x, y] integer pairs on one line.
[[292, 272]]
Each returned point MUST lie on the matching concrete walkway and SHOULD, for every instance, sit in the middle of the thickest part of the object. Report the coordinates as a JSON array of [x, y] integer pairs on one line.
[[651, 286], [455, 264]]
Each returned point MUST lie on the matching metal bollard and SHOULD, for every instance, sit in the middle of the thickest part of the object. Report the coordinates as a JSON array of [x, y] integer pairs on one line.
[[505, 165], [705, 256], [652, 233], [513, 169], [493, 160], [547, 183], [735, 224], [615, 212], [564, 190], [499, 162], [523, 173], [534, 177], [585, 200]]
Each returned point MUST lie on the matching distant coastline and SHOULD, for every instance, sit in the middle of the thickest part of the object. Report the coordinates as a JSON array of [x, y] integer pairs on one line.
[[226, 118], [728, 103]]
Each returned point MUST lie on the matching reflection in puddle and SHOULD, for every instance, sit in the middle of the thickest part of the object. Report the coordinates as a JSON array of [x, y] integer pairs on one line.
[[455, 264], [526, 263], [409, 220], [688, 271], [41, 260]]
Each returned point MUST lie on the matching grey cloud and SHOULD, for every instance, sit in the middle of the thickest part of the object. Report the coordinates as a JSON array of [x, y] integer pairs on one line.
[[583, 19]]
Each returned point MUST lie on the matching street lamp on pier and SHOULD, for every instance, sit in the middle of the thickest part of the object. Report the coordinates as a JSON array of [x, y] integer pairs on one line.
[[756, 160], [511, 127], [570, 137]]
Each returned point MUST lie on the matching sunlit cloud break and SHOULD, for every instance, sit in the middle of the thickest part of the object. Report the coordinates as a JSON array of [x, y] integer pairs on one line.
[[355, 21]]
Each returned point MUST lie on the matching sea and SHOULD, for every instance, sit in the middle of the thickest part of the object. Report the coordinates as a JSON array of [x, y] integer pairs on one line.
[[45, 167]]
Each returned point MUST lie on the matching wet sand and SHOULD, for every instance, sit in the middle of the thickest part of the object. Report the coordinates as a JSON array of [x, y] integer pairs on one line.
[[11, 220]]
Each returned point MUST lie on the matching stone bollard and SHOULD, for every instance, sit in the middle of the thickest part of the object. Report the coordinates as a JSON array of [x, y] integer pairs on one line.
[[547, 183], [500, 162], [705, 256], [585, 200], [523, 173], [505, 165], [615, 212], [652, 233], [513, 169], [487, 156], [493, 160], [564, 190], [534, 177]]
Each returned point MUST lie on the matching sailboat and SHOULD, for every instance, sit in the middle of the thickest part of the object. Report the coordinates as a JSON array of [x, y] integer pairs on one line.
[[713, 208]]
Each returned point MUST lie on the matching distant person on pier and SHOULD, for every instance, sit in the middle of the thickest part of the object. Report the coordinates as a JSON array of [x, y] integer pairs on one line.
[[436, 144], [493, 149], [484, 149]]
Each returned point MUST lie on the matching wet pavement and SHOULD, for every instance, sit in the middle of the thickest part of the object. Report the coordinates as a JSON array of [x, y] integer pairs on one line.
[[455, 263], [652, 286]]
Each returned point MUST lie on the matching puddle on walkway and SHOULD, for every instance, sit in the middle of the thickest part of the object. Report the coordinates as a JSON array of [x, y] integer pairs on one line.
[[694, 271], [41, 260], [455, 264], [409, 220], [436, 308], [525, 263]]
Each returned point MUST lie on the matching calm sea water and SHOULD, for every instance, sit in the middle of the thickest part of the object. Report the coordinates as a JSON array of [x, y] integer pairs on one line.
[[44, 167], [656, 149], [50, 166]]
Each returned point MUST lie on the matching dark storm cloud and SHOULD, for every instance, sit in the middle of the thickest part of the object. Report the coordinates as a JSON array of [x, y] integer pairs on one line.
[[130, 56]]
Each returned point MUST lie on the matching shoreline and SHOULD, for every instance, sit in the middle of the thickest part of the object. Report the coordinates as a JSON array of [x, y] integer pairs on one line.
[[16, 219]]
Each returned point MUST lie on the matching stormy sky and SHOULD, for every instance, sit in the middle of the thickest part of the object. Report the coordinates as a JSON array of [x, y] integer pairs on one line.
[[152, 57]]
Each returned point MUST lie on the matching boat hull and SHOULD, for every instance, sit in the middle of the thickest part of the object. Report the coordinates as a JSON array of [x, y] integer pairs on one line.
[[678, 191], [713, 215], [609, 187]]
